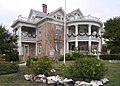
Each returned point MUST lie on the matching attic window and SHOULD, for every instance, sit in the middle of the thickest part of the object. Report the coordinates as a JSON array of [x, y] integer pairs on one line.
[[54, 16], [33, 18], [59, 17], [76, 16]]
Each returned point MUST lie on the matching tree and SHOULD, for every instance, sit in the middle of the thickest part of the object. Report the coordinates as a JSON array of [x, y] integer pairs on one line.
[[8, 46], [112, 33], [55, 40]]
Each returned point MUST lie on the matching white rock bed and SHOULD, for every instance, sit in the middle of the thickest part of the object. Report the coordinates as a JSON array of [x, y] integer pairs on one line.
[[57, 80]]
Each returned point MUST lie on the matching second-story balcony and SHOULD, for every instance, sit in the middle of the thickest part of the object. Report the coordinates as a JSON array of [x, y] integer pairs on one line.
[[28, 34]]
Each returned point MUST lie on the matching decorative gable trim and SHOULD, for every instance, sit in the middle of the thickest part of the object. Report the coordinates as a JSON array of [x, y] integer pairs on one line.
[[77, 11]]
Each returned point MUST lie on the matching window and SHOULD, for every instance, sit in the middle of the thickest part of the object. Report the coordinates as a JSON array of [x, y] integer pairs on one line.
[[72, 30], [54, 16], [72, 46], [83, 29], [58, 29], [76, 16], [94, 29], [59, 17], [39, 32], [39, 47]]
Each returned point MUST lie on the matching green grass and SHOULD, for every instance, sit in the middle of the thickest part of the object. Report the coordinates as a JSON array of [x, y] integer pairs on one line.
[[17, 79], [113, 73]]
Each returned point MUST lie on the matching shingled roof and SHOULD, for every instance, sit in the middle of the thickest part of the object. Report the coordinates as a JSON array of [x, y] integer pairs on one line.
[[37, 13]]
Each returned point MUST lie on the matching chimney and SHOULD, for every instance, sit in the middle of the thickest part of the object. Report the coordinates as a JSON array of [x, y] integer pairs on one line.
[[44, 8]]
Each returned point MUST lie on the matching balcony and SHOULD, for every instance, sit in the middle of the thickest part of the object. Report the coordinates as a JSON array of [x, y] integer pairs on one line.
[[28, 35], [28, 39], [91, 17]]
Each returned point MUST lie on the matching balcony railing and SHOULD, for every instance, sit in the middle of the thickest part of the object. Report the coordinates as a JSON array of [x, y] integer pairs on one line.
[[25, 19], [28, 39], [91, 17]]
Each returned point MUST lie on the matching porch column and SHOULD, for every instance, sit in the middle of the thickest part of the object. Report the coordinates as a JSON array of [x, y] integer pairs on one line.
[[19, 40], [76, 38], [36, 44], [67, 41], [89, 42], [100, 41]]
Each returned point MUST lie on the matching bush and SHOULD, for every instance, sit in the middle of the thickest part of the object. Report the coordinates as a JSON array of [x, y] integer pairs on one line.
[[8, 68], [110, 57], [12, 56], [30, 60], [70, 56], [67, 57], [42, 66], [85, 69], [76, 55]]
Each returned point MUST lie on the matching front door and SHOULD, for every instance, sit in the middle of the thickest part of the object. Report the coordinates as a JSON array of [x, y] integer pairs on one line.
[[25, 52]]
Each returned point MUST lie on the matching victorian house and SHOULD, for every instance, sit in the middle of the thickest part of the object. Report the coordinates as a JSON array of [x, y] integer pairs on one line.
[[42, 33]]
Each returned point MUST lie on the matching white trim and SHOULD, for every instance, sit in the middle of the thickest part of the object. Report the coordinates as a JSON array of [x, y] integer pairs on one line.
[[89, 42], [76, 38]]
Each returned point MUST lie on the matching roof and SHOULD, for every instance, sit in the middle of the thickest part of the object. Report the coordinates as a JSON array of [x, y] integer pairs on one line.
[[59, 9], [76, 11], [38, 13]]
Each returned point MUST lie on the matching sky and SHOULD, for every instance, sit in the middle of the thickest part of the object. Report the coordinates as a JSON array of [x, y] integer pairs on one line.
[[103, 9]]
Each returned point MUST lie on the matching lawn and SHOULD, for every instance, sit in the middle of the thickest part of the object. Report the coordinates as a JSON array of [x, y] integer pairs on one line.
[[113, 73], [17, 79]]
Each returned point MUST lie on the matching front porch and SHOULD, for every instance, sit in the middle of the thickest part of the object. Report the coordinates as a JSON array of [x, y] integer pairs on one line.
[[28, 51], [83, 47]]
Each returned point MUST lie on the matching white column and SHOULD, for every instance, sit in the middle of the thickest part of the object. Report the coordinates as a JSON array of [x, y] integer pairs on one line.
[[76, 38], [67, 41], [36, 49], [89, 42], [19, 40], [36, 44], [100, 40]]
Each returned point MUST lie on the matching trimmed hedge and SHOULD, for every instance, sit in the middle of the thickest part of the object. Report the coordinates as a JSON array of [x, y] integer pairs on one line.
[[68, 56], [73, 56], [110, 57], [8, 68]]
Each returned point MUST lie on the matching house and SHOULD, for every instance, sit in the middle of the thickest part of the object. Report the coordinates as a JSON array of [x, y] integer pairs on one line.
[[42, 33]]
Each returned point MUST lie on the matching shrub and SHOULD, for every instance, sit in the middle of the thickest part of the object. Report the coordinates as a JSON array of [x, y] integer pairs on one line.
[[30, 60], [67, 57], [70, 56], [42, 66], [8, 68], [76, 55], [110, 57], [85, 69], [13, 56]]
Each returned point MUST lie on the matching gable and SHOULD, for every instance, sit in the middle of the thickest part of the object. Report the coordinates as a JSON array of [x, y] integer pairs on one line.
[[57, 14], [76, 14], [36, 14], [31, 14]]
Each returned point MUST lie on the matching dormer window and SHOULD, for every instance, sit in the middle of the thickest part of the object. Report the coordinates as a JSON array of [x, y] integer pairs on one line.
[[54, 16], [59, 17], [76, 16]]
